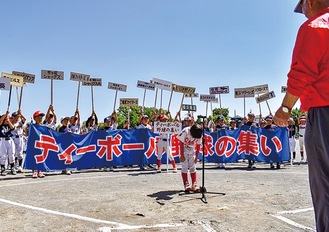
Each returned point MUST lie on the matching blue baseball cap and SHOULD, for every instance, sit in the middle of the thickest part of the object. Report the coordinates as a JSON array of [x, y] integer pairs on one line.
[[299, 8]]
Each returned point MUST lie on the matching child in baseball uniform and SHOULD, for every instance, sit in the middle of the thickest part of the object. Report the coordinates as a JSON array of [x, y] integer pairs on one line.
[[191, 139], [163, 145], [7, 146], [18, 121]]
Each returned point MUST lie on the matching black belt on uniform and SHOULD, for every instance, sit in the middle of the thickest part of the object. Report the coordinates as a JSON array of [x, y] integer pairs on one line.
[[301, 135], [5, 138], [17, 136], [164, 139]]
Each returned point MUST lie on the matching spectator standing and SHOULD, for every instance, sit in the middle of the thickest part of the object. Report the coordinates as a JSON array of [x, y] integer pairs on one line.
[[308, 80]]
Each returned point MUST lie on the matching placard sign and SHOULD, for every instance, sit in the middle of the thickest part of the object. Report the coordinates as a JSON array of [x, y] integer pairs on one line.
[[128, 101], [116, 86], [208, 97], [93, 82], [161, 84], [186, 107], [52, 74], [283, 89], [27, 78], [79, 77], [244, 92], [4, 83], [183, 89], [14, 80], [261, 89], [265, 97], [145, 85], [167, 127], [192, 95], [219, 90]]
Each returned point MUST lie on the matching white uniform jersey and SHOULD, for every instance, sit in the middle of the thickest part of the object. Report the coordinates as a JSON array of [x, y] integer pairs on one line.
[[302, 129], [18, 131], [114, 126], [141, 126], [74, 129], [186, 137], [51, 125]]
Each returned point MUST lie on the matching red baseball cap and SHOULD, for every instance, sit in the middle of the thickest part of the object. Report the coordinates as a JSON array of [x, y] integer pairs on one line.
[[38, 113]]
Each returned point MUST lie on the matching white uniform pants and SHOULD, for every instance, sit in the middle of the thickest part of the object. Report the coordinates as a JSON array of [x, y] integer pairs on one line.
[[7, 149], [164, 146], [188, 164], [292, 144], [301, 144], [19, 145]]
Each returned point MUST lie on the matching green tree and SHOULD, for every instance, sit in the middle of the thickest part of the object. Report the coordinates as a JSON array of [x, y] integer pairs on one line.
[[220, 111]]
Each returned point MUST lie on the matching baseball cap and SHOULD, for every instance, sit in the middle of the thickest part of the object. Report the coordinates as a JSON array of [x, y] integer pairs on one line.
[[268, 117], [187, 118], [68, 118], [220, 118], [303, 117], [14, 114], [145, 116], [38, 113], [299, 8], [251, 114], [107, 119]]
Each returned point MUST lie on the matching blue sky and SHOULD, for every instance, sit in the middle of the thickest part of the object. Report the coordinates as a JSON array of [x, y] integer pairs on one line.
[[193, 43]]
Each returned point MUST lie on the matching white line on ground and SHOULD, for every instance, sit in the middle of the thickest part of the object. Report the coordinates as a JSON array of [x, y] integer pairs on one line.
[[295, 211], [291, 222], [75, 216], [59, 180], [107, 229], [206, 226], [119, 226]]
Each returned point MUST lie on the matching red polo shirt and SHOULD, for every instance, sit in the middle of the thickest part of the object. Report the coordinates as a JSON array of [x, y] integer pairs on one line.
[[308, 77]]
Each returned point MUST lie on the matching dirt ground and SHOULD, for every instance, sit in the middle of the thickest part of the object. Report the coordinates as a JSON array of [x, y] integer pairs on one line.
[[238, 199]]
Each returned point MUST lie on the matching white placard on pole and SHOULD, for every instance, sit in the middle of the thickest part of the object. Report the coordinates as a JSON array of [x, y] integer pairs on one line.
[[116, 86], [93, 82], [146, 85], [167, 127], [52, 74], [79, 77], [162, 84], [208, 97], [265, 97], [283, 89], [261, 89], [219, 90], [244, 92], [4, 83]]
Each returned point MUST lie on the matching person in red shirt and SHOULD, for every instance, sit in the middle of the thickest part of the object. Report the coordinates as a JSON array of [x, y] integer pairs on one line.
[[308, 80]]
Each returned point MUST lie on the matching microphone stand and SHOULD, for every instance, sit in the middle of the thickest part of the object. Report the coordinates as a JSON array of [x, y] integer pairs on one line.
[[203, 189]]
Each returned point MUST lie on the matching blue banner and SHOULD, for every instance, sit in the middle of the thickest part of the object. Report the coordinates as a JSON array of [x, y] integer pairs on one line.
[[49, 150]]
